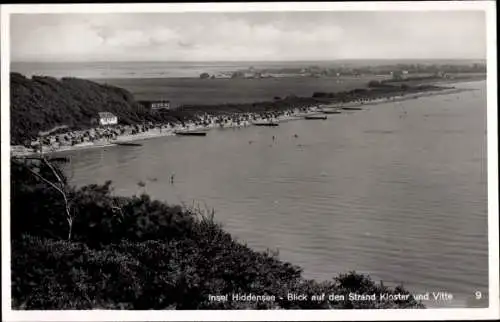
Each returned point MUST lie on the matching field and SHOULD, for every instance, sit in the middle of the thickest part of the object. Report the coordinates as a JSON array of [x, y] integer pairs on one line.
[[183, 91]]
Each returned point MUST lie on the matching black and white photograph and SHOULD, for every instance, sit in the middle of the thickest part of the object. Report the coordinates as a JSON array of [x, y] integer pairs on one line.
[[273, 158]]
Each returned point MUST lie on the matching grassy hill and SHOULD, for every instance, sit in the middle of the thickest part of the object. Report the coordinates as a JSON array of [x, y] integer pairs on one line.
[[42, 103]]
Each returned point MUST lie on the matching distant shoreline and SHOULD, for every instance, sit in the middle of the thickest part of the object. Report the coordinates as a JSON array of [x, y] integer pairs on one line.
[[194, 69], [465, 77]]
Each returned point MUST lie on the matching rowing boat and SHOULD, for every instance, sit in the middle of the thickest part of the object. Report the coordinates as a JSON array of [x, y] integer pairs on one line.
[[331, 112], [265, 124], [128, 144], [316, 117], [191, 133]]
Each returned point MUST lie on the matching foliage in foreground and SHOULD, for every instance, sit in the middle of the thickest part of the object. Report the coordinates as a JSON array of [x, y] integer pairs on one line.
[[148, 255]]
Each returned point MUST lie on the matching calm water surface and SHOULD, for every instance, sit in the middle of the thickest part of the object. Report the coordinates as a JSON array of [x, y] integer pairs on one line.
[[129, 69], [397, 190]]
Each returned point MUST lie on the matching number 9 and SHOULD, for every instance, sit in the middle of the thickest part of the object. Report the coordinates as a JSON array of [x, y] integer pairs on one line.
[[478, 295]]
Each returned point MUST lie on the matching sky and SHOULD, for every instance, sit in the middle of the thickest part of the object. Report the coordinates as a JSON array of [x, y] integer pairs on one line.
[[248, 36]]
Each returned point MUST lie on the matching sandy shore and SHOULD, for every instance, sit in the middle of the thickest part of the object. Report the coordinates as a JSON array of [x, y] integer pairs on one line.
[[156, 133]]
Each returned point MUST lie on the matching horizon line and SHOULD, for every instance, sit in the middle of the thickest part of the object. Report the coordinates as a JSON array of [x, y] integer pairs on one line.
[[246, 61]]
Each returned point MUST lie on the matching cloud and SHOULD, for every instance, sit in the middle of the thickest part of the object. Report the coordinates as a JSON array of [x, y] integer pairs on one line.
[[247, 36]]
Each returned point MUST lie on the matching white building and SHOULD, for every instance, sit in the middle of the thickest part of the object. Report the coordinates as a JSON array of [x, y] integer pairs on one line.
[[107, 118], [160, 105]]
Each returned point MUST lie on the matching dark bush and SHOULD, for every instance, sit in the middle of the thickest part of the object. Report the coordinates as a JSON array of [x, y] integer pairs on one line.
[[138, 253], [50, 274], [320, 94], [204, 75]]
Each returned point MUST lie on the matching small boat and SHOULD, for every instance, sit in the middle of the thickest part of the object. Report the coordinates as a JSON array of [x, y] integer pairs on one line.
[[128, 144], [332, 112], [316, 117], [352, 108], [192, 133], [266, 124]]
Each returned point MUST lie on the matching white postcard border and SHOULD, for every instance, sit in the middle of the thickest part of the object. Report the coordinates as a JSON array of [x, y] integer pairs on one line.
[[273, 315]]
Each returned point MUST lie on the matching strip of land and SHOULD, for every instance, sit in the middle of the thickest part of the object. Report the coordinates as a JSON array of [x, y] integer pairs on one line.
[[207, 117]]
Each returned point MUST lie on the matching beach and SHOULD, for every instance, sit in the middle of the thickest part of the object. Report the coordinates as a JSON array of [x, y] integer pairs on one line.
[[209, 122]]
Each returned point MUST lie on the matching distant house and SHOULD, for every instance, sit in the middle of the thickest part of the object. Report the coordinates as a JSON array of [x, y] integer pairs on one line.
[[441, 74], [239, 74], [399, 74], [249, 75], [107, 118], [156, 105]]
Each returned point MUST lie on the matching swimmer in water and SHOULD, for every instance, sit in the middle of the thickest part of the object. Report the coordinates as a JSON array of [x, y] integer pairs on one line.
[[172, 178], [295, 136], [250, 142], [274, 138]]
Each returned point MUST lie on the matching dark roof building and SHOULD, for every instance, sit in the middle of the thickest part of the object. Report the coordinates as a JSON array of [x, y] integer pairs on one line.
[[156, 105]]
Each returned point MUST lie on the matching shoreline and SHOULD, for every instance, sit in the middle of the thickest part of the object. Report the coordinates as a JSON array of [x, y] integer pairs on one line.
[[463, 77], [19, 152]]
